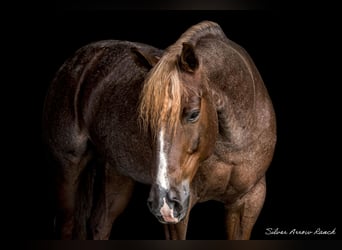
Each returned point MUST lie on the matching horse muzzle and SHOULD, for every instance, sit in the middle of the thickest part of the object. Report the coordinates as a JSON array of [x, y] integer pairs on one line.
[[169, 206]]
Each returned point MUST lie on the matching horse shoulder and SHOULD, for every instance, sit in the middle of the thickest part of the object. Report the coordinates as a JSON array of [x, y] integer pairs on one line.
[[212, 179], [230, 173]]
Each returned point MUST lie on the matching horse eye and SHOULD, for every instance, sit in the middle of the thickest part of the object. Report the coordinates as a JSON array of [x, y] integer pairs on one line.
[[193, 116]]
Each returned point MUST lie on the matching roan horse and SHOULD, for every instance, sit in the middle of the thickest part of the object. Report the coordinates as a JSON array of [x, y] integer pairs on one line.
[[195, 122]]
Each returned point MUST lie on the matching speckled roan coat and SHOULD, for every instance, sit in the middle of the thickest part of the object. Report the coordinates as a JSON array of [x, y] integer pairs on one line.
[[92, 131]]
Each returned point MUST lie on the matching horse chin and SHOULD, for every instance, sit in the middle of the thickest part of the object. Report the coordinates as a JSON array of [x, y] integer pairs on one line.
[[170, 219], [167, 223]]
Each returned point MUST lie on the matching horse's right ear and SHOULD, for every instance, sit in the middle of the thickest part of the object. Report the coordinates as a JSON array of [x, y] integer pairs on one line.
[[144, 57], [188, 61]]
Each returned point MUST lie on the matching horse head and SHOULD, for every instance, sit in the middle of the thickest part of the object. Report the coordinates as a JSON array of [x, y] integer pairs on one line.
[[176, 106]]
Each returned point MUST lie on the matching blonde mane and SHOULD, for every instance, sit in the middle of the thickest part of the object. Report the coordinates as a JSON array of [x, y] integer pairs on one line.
[[161, 97]]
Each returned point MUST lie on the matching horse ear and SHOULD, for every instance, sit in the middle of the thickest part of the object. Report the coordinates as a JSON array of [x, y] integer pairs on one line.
[[188, 60], [144, 57]]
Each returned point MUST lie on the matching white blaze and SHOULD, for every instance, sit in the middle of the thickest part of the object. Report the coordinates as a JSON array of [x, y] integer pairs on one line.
[[162, 179]]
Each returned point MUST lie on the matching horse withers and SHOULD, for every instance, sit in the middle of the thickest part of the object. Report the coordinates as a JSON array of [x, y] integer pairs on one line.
[[195, 122]]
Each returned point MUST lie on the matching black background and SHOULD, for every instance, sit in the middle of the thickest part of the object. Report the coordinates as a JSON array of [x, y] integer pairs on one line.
[[294, 56]]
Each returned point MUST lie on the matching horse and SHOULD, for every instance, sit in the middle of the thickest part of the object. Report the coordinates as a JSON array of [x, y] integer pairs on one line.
[[194, 121]]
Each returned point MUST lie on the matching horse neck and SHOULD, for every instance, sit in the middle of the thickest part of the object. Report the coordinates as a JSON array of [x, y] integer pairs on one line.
[[232, 130], [237, 90], [242, 123]]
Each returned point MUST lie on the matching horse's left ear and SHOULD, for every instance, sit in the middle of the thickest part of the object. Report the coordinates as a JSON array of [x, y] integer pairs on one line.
[[144, 57], [188, 60]]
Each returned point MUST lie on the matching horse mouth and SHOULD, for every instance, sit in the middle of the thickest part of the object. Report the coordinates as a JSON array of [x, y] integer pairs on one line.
[[168, 220], [165, 220], [167, 214], [168, 207]]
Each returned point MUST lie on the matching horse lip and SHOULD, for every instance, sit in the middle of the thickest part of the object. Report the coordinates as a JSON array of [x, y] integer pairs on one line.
[[168, 223], [179, 218], [161, 220]]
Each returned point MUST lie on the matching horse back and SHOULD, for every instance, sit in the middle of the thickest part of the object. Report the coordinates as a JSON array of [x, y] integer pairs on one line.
[[94, 97]]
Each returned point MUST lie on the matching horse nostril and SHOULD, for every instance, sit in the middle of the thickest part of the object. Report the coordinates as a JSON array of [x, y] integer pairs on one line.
[[172, 196], [177, 208], [175, 199], [176, 205]]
